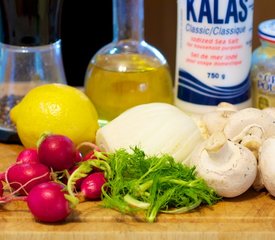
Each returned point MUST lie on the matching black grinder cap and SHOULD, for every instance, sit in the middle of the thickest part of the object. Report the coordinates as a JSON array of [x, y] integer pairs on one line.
[[30, 22]]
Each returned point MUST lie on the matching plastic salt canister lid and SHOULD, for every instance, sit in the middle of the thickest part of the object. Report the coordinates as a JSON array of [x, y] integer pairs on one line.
[[266, 30]]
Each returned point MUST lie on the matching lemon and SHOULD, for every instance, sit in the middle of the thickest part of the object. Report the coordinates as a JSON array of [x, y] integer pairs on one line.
[[58, 109]]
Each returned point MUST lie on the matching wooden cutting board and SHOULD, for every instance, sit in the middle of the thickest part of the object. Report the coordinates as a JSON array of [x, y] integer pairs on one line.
[[250, 216]]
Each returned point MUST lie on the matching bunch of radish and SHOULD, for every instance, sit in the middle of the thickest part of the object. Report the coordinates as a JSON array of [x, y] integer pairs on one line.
[[40, 177]]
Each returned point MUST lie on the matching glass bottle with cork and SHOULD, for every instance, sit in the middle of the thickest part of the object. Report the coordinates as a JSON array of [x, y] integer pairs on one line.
[[30, 53], [128, 71], [262, 72]]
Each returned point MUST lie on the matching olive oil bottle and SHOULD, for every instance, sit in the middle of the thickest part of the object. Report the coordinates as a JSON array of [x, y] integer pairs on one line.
[[128, 71]]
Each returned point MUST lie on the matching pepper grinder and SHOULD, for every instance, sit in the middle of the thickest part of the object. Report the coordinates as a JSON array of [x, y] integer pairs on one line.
[[30, 53]]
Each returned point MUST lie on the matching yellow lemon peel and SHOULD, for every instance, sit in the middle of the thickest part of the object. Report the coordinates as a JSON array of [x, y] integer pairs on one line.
[[55, 108]]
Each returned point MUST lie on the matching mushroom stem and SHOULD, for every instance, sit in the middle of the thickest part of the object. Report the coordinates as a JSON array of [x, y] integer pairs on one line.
[[253, 130], [226, 108], [217, 147], [252, 137]]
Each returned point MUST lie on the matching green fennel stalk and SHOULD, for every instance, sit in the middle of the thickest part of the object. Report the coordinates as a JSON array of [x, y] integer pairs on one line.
[[153, 184]]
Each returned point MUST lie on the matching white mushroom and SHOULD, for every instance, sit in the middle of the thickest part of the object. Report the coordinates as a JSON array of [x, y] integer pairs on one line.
[[258, 183], [267, 164], [252, 137], [227, 167], [270, 111], [215, 120], [250, 127]]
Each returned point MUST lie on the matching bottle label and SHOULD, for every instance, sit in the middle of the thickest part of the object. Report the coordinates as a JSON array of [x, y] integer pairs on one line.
[[214, 51], [263, 88], [265, 82]]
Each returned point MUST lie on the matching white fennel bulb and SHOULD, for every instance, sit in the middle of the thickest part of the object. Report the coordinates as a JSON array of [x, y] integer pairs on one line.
[[157, 128]]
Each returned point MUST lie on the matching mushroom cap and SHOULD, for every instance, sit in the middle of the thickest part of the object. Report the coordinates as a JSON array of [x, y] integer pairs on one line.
[[258, 183], [228, 176], [249, 116], [215, 120], [267, 164], [270, 111]]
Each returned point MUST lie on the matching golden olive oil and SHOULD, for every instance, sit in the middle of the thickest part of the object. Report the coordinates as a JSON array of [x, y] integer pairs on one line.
[[118, 82]]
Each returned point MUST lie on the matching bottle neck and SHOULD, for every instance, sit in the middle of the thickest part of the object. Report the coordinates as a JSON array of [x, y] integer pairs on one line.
[[128, 18]]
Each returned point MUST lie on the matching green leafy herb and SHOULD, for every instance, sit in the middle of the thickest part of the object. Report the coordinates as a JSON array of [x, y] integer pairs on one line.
[[153, 184]]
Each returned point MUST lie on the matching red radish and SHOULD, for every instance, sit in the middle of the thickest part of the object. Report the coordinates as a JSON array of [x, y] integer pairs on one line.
[[79, 181], [1, 189], [57, 152], [24, 176], [28, 155], [91, 185], [89, 155], [3, 176], [47, 202], [78, 156]]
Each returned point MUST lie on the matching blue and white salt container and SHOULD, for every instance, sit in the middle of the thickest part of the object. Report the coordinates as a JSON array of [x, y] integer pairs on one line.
[[214, 47]]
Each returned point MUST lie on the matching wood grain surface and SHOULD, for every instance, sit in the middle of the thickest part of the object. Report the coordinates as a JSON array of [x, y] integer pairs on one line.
[[250, 216]]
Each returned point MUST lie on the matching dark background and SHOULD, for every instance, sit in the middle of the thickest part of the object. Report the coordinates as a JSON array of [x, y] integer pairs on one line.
[[86, 26]]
